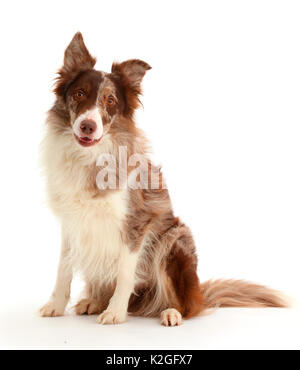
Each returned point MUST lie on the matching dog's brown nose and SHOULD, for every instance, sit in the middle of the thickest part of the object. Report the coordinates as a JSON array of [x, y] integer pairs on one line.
[[88, 126]]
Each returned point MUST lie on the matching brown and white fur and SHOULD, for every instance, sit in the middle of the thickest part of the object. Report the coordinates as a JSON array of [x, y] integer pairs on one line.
[[133, 253]]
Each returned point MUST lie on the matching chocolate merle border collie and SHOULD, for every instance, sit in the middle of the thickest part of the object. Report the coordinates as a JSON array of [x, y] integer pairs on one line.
[[135, 256]]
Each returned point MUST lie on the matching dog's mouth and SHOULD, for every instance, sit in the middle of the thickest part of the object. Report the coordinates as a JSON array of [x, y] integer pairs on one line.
[[86, 141]]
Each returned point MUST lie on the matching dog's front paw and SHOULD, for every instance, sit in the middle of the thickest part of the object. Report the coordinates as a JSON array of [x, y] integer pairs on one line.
[[52, 309], [112, 317]]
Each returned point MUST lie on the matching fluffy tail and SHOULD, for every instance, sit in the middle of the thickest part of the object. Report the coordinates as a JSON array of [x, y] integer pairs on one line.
[[238, 293]]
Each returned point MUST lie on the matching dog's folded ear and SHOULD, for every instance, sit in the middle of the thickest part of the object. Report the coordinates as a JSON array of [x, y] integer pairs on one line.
[[131, 74], [132, 71], [77, 59]]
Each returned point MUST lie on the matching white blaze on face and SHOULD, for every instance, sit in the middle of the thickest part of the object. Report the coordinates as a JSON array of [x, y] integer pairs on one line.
[[91, 114]]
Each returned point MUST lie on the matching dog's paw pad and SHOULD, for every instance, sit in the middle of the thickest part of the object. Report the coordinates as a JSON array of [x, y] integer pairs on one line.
[[111, 317], [171, 317]]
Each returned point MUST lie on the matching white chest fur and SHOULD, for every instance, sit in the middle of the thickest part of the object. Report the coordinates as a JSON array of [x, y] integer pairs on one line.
[[92, 223], [94, 230]]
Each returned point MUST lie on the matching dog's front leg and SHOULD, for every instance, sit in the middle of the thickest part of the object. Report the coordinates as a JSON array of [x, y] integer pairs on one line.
[[116, 311], [61, 293]]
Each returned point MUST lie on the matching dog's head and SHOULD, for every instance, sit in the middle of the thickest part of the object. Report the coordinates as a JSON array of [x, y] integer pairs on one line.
[[93, 100]]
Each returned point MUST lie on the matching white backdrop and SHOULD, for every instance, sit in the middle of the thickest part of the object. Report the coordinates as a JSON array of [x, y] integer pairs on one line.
[[221, 102]]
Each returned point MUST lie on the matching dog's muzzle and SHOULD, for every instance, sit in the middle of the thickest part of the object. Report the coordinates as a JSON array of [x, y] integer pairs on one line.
[[88, 128]]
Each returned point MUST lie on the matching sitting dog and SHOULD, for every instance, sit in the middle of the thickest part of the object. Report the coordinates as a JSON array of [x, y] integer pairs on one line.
[[118, 227]]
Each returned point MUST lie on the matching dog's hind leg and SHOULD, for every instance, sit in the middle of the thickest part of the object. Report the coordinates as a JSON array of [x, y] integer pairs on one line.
[[171, 317], [181, 268], [88, 306], [96, 301]]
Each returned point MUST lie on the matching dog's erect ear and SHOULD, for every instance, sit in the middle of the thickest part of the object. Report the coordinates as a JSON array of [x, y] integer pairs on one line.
[[77, 55], [132, 71], [77, 59], [131, 74]]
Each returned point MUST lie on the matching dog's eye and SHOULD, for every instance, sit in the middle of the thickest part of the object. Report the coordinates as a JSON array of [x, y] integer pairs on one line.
[[78, 95], [110, 100]]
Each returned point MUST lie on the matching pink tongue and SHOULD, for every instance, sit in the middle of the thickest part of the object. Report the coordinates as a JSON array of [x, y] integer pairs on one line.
[[87, 139]]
